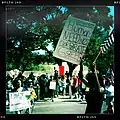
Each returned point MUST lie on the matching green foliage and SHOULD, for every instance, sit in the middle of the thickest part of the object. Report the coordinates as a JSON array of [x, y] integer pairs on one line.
[[33, 28], [35, 68], [41, 67]]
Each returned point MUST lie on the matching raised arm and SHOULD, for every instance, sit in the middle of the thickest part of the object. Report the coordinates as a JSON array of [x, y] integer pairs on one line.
[[95, 72]]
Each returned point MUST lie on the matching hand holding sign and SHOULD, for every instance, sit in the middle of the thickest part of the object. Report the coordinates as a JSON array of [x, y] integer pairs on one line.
[[74, 40]]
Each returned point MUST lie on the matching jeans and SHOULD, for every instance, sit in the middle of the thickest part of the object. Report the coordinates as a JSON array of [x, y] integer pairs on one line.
[[64, 91], [52, 93], [57, 90]]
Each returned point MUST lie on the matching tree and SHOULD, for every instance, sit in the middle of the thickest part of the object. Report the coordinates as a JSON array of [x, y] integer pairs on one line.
[[34, 28], [98, 15], [22, 38]]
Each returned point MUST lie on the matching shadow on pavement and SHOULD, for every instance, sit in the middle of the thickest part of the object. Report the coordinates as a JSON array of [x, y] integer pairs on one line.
[[64, 98], [82, 103], [71, 101]]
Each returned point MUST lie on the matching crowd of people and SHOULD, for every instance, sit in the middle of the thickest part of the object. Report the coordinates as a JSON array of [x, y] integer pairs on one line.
[[98, 88], [41, 84]]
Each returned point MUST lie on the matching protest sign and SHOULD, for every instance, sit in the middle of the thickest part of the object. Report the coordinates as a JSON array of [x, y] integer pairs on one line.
[[74, 40], [52, 85], [61, 70], [19, 100]]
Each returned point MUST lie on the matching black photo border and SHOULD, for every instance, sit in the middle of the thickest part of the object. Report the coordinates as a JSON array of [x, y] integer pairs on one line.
[[3, 62]]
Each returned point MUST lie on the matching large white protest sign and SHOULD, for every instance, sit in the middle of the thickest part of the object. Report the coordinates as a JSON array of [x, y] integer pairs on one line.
[[74, 40], [19, 100], [52, 85]]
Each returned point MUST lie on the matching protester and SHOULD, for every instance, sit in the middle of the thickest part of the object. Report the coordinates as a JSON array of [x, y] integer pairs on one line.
[[17, 84], [18, 88], [63, 85], [21, 77], [83, 91], [67, 76], [46, 84], [31, 76], [105, 83], [57, 84], [79, 90], [30, 88], [70, 87], [42, 86], [94, 96], [47, 76], [104, 79], [109, 89], [75, 86], [52, 91], [9, 85], [36, 86]]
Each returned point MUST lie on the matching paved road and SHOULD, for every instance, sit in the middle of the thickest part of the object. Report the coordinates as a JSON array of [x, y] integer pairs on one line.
[[63, 105], [60, 107]]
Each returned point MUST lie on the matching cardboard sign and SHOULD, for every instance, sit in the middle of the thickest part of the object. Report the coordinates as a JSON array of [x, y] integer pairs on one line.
[[19, 100], [52, 85], [74, 40]]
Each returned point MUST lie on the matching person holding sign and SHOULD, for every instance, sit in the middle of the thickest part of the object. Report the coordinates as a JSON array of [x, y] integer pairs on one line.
[[95, 95], [52, 87], [18, 88]]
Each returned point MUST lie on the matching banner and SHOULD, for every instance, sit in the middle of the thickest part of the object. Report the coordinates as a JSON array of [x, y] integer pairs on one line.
[[52, 85], [19, 100], [74, 40]]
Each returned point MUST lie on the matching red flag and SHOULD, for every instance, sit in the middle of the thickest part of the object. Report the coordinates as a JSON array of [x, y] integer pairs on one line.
[[61, 70]]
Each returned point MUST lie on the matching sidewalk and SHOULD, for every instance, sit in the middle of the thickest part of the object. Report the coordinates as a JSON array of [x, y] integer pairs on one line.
[[60, 99]]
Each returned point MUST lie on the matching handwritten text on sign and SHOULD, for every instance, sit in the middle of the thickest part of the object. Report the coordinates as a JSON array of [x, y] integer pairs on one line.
[[74, 40], [19, 100]]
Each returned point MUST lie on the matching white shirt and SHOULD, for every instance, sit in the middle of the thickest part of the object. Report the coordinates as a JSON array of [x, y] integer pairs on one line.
[[110, 90]]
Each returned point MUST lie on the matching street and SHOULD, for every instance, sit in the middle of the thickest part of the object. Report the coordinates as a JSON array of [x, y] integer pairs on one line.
[[62, 105]]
